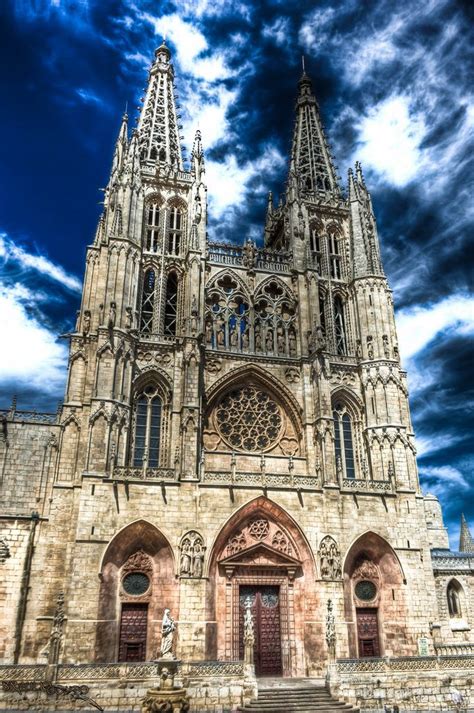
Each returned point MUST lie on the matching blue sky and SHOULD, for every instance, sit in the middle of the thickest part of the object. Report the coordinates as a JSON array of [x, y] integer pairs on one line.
[[393, 83]]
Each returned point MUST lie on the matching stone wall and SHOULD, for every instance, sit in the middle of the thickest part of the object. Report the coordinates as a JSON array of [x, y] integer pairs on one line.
[[414, 684]]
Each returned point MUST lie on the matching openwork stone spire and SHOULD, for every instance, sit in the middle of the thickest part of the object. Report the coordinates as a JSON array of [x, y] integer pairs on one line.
[[466, 541], [158, 128], [311, 159]]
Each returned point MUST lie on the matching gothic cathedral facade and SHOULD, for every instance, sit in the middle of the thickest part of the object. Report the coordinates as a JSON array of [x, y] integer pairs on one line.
[[236, 429]]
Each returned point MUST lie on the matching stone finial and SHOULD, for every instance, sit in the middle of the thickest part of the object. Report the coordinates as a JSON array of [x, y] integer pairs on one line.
[[466, 541]]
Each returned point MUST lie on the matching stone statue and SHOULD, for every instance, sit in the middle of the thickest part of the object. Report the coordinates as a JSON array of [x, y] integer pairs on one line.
[[185, 561], [128, 318], [198, 559], [280, 341], [330, 631], [386, 348], [370, 347], [112, 315], [330, 559], [86, 323], [249, 633], [292, 342], [168, 627]]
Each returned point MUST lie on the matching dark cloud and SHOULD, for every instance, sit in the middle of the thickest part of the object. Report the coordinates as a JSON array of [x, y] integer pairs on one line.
[[68, 70]]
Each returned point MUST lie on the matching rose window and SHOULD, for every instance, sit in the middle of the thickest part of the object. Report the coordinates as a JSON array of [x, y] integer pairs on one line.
[[365, 590], [249, 420]]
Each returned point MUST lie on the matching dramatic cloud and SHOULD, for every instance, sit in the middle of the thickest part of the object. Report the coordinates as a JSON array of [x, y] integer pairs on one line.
[[393, 84]]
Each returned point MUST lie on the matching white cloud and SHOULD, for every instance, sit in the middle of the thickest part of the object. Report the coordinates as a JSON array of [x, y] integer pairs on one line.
[[417, 326], [30, 353], [11, 251], [207, 114], [314, 31], [389, 140], [445, 476], [427, 445], [88, 96], [278, 31], [190, 43], [227, 180]]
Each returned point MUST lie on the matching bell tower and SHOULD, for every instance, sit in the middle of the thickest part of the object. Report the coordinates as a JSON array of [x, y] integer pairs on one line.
[[141, 302]]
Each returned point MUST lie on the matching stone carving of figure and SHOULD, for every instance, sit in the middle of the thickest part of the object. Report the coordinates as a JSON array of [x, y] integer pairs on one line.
[[208, 331], [245, 339], [258, 339], [280, 341], [359, 349], [220, 331], [168, 627], [292, 342], [86, 322], [249, 634], [330, 559], [249, 254], [128, 318], [198, 208], [319, 340], [330, 631], [198, 559], [269, 341], [112, 315], [234, 337], [185, 560], [386, 348]]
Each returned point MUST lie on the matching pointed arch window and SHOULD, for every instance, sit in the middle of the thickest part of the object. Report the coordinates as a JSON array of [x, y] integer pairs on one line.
[[148, 302], [316, 247], [175, 230], [227, 315], [171, 305], [152, 228], [147, 436], [339, 326], [275, 321], [335, 261], [454, 600], [322, 312], [344, 442]]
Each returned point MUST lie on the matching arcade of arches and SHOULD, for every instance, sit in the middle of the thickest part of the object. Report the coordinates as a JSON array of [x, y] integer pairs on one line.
[[262, 559]]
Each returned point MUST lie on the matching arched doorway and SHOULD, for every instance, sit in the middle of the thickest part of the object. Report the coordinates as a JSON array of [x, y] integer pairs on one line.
[[374, 599], [136, 583], [262, 559]]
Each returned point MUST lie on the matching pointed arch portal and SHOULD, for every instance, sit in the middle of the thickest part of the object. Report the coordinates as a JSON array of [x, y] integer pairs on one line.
[[261, 559]]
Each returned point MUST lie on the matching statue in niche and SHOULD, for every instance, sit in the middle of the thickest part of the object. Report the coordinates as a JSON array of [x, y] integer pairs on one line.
[[86, 323], [168, 627], [191, 563], [292, 342], [386, 348], [198, 559], [220, 331], [330, 559], [359, 349], [245, 339], [249, 254], [208, 331], [185, 560], [280, 341], [269, 341], [234, 337], [258, 338], [112, 315], [128, 318]]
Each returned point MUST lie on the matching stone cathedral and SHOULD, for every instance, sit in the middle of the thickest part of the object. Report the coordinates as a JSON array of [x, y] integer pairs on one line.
[[235, 432]]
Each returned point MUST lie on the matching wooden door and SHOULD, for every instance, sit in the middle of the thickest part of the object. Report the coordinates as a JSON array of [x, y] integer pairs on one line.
[[265, 607], [368, 632], [133, 628]]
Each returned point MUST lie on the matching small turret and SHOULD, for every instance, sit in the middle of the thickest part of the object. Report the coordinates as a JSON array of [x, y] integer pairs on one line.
[[365, 242]]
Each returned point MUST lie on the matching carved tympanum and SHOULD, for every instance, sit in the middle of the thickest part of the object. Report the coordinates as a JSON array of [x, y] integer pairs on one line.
[[138, 562]]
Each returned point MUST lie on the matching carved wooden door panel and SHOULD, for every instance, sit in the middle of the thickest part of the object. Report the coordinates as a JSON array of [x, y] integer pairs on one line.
[[265, 607], [368, 632], [133, 628]]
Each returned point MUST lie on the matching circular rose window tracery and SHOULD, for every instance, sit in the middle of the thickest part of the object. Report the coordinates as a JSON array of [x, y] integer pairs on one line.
[[248, 419]]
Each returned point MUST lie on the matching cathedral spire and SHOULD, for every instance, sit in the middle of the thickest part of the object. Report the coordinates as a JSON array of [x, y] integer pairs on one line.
[[311, 158], [158, 127], [466, 541]]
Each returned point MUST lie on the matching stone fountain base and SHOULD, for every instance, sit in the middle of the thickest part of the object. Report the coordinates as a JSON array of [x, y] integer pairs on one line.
[[168, 697]]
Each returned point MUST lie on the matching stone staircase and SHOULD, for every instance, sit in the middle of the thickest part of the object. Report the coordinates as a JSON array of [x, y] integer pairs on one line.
[[294, 695]]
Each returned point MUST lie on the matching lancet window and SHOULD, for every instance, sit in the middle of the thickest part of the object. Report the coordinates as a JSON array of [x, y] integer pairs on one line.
[[148, 426], [322, 312], [171, 305], [316, 247], [148, 302], [339, 326], [344, 442], [175, 230], [454, 599], [335, 259], [227, 319], [275, 331], [152, 227]]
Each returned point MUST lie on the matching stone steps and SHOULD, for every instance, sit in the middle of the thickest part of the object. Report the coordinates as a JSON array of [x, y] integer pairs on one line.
[[295, 697]]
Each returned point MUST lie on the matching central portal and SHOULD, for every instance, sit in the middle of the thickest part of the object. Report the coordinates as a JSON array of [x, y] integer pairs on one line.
[[265, 607]]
